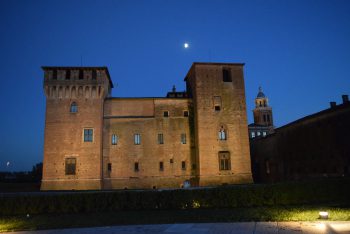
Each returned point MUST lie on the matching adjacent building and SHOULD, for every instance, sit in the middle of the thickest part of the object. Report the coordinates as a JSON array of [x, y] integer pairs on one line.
[[96, 141], [316, 146]]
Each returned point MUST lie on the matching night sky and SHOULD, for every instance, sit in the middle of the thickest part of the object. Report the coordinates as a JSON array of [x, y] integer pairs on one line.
[[298, 51]]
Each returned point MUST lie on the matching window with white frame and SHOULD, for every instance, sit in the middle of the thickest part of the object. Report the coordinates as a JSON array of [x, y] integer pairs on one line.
[[88, 135]]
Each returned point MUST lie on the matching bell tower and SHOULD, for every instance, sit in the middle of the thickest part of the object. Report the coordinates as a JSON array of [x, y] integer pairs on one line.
[[262, 112]]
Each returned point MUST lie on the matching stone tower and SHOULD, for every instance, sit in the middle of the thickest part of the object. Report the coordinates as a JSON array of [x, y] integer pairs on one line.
[[262, 112], [220, 123], [73, 127]]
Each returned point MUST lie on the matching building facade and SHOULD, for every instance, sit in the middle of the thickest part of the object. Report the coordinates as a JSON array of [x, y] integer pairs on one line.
[[263, 120], [95, 141], [316, 146]]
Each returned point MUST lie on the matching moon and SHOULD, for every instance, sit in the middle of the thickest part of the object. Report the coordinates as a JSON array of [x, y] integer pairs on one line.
[[186, 45]]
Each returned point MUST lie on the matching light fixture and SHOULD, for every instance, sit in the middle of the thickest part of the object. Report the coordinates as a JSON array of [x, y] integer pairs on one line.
[[323, 214]]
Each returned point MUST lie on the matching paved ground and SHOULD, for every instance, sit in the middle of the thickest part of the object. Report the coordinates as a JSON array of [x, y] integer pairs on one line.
[[200, 228]]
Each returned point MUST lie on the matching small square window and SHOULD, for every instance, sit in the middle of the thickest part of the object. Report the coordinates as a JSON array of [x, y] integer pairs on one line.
[[161, 166], [185, 113], [88, 135], [171, 160], [137, 139], [166, 113], [253, 134], [217, 108], [136, 166]]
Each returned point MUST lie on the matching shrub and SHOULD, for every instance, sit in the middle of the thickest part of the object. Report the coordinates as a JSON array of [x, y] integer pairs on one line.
[[335, 191]]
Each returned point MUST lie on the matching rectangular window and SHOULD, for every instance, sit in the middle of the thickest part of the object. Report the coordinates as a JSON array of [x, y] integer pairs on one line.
[[70, 166], [217, 103], [137, 139], [183, 165], [171, 160], [183, 138], [268, 118], [88, 135], [166, 114], [224, 161], [226, 75], [222, 135], [253, 134], [258, 133], [264, 118], [185, 113], [109, 167], [264, 133], [161, 166], [160, 138], [136, 166], [114, 139]]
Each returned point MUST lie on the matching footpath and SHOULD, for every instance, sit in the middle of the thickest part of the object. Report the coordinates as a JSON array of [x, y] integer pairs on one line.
[[196, 228]]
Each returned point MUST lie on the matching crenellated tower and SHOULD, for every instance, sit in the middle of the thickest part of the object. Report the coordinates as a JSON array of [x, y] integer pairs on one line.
[[73, 126]]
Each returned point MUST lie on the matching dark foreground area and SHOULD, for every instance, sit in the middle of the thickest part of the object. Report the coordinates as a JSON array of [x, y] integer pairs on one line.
[[294, 201], [54, 221]]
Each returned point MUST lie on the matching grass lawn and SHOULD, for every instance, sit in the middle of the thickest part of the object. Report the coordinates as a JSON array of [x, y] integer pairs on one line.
[[51, 221]]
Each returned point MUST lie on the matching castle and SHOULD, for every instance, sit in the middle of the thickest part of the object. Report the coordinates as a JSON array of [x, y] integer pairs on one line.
[[95, 141]]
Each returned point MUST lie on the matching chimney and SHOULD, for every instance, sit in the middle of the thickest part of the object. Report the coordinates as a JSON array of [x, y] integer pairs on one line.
[[345, 98], [174, 89], [333, 104]]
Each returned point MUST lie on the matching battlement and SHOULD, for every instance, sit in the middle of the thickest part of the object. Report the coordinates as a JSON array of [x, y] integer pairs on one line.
[[77, 82]]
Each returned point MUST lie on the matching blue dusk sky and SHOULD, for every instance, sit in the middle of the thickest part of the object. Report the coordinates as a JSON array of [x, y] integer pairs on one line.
[[298, 51]]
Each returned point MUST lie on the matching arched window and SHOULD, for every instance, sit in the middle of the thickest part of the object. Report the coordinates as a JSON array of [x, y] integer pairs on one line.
[[222, 134], [74, 107]]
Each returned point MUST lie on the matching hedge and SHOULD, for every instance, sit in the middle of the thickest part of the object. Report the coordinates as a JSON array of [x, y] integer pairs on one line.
[[335, 191]]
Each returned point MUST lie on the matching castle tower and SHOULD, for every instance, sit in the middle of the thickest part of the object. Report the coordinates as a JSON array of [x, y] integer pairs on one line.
[[220, 123], [262, 112], [73, 127]]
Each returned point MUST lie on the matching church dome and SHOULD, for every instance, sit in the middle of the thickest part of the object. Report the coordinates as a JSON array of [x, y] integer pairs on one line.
[[260, 94]]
